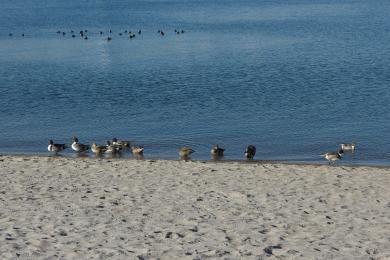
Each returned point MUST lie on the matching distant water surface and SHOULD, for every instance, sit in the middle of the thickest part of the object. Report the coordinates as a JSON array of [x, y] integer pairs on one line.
[[295, 78]]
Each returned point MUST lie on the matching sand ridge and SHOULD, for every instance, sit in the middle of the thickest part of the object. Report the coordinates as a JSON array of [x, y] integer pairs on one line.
[[85, 208]]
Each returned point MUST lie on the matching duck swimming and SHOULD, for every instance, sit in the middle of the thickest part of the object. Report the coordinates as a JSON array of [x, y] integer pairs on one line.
[[348, 147]]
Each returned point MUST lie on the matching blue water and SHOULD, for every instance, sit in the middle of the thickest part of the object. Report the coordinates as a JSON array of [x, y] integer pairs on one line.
[[295, 78]]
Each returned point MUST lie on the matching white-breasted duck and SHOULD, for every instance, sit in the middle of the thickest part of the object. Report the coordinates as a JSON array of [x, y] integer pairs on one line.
[[217, 151], [55, 148], [333, 156], [250, 152], [77, 147]]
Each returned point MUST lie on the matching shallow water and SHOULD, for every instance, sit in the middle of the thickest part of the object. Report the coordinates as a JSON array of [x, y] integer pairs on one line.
[[293, 78]]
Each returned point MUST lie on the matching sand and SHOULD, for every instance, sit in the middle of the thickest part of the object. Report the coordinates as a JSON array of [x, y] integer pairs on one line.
[[85, 208]]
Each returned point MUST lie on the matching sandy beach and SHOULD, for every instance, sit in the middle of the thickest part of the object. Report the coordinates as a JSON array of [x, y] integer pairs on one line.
[[84, 208]]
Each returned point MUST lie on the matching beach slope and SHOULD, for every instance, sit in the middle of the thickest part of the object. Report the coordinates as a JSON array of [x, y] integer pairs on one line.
[[84, 208]]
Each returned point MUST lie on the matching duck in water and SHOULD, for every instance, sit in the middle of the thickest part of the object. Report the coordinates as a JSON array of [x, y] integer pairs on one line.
[[216, 151], [250, 152], [348, 147], [125, 145], [98, 149], [77, 147], [55, 148], [332, 157], [137, 150], [185, 152]]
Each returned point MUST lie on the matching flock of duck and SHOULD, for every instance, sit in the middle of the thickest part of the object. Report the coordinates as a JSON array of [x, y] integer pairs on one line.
[[116, 147], [83, 34]]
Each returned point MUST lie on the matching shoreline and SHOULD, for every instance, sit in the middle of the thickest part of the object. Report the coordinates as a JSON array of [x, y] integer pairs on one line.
[[74, 156], [60, 207]]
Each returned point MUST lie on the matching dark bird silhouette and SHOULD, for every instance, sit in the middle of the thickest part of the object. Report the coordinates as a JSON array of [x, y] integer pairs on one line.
[[250, 152]]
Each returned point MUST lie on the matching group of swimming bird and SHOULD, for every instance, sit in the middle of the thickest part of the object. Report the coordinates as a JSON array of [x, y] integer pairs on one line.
[[84, 33], [116, 146]]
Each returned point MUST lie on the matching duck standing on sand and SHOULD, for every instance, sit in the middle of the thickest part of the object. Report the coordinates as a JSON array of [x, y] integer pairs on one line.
[[250, 152], [348, 147], [77, 147], [333, 156], [98, 149], [55, 148], [185, 152], [216, 151]]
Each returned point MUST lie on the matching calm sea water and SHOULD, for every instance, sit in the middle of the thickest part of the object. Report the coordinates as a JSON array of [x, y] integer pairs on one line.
[[295, 78]]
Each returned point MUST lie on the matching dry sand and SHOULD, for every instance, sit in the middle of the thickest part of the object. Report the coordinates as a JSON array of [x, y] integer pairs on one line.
[[66, 208]]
